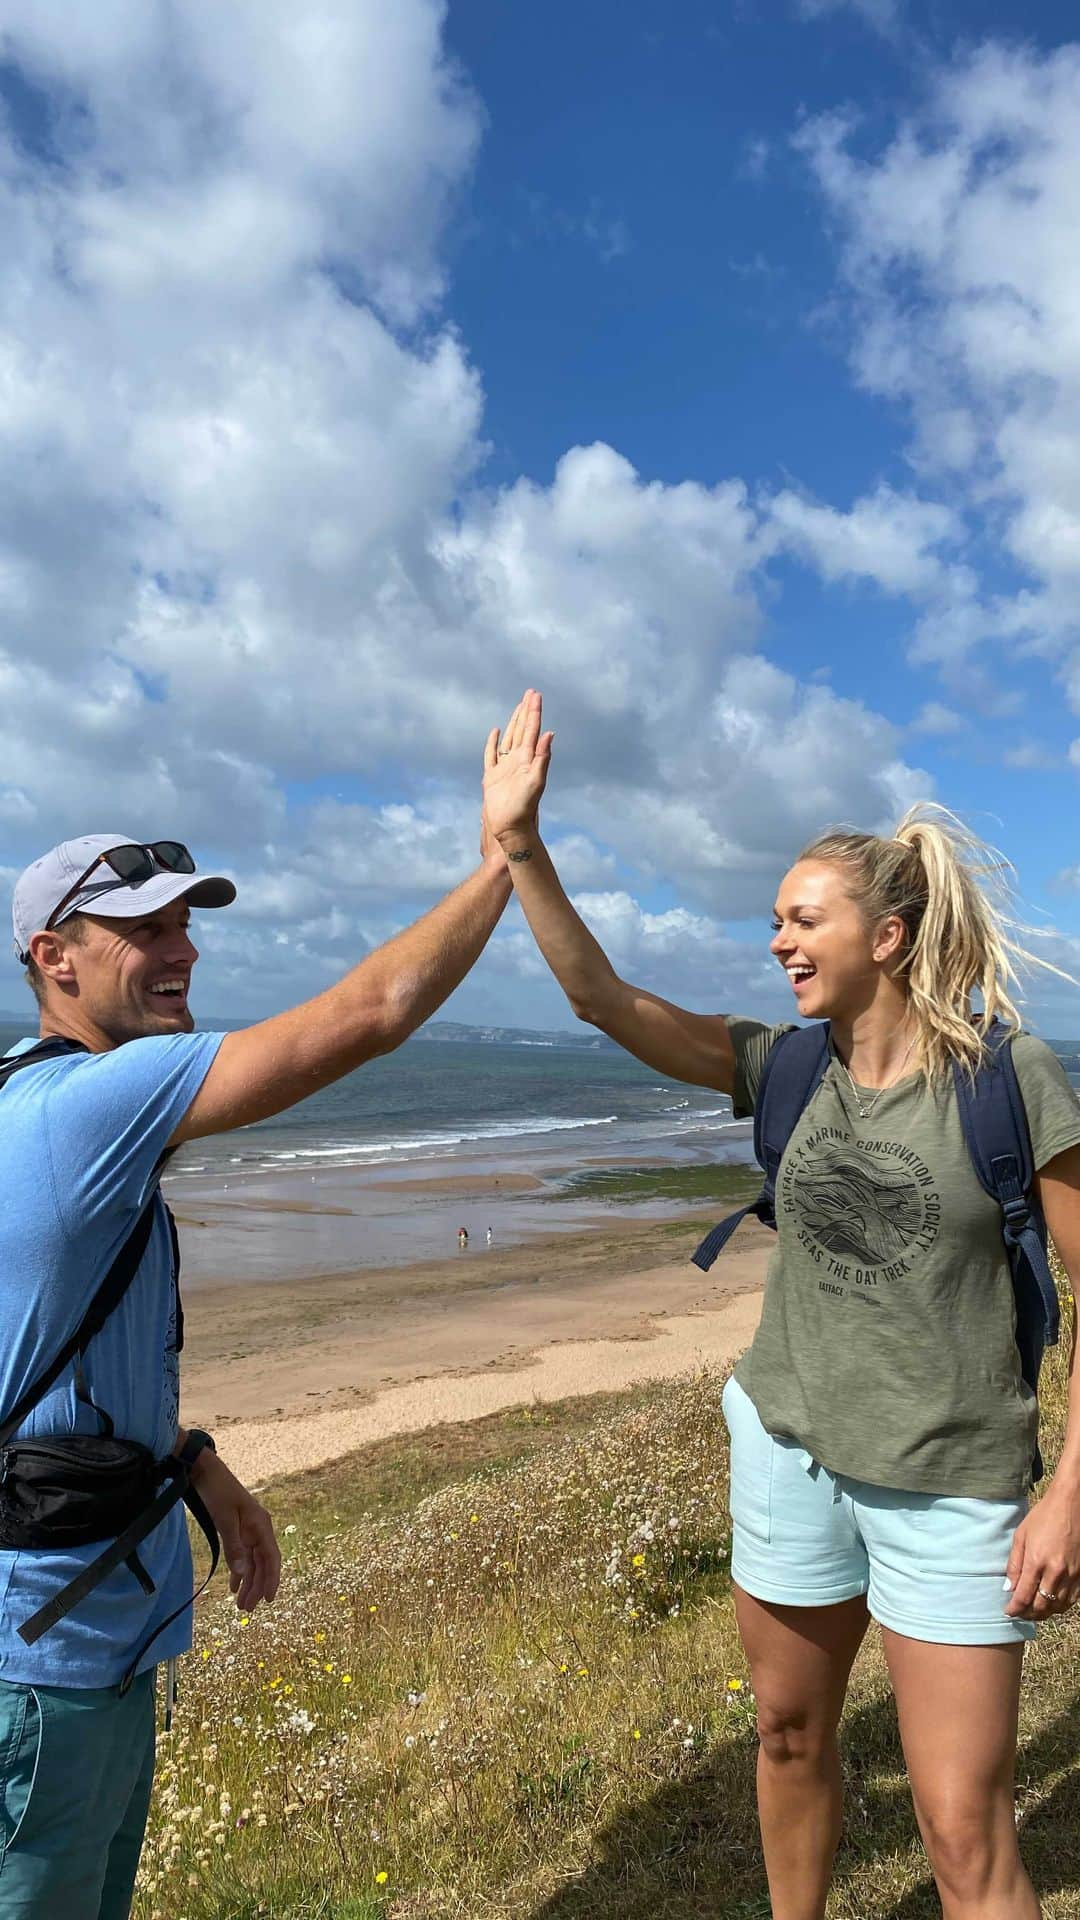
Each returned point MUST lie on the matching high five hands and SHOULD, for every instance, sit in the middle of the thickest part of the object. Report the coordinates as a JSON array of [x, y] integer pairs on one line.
[[515, 774]]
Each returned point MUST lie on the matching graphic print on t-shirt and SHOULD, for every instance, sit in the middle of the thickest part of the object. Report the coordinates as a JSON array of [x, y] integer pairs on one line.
[[863, 1209]]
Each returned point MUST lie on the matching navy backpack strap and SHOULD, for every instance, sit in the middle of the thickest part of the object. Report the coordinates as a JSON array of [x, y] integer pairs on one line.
[[717, 1237], [52, 1048], [112, 1288], [108, 1296], [781, 1099], [998, 1140]]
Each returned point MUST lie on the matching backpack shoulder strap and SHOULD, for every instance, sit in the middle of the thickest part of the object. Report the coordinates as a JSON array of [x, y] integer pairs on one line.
[[803, 1055], [998, 1140], [106, 1299], [116, 1281], [792, 1074], [52, 1048]]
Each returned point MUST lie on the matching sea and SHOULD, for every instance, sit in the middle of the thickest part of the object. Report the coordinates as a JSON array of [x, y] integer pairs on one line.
[[382, 1168], [501, 1102], [468, 1102]]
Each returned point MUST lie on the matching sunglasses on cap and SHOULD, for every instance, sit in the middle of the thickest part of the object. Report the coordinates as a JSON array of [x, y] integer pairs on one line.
[[132, 865]]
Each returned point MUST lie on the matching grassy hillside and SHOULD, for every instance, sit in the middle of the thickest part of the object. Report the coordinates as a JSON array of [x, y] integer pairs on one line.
[[503, 1679]]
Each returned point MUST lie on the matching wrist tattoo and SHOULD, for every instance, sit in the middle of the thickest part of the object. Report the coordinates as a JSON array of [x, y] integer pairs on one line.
[[523, 853]]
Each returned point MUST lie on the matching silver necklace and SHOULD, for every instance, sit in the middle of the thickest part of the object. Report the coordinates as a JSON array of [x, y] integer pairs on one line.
[[865, 1112]]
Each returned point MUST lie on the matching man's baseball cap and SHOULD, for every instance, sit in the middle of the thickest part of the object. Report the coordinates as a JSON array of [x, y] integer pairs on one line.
[[47, 882]]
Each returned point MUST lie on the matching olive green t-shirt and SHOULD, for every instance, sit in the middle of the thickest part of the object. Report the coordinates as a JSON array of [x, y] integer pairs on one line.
[[887, 1342]]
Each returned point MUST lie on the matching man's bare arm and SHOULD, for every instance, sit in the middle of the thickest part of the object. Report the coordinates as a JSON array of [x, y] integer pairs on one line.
[[393, 991]]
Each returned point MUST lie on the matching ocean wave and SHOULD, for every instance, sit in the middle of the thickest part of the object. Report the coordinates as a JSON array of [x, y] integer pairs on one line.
[[418, 1142], [423, 1145]]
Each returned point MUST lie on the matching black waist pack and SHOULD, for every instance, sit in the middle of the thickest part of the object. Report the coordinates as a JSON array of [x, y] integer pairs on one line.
[[77, 1489], [73, 1490]]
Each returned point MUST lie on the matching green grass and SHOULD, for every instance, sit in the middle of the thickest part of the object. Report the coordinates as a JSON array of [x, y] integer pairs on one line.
[[391, 1476], [504, 1673], [726, 1185]]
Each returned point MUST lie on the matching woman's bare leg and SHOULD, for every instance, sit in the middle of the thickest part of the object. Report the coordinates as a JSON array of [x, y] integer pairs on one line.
[[958, 1715], [800, 1660]]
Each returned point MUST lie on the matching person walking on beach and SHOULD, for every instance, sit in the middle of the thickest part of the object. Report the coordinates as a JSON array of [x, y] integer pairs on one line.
[[463, 1238], [90, 1111], [882, 1434]]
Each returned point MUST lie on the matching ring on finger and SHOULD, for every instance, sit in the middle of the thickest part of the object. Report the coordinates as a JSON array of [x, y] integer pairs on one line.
[[1049, 1596]]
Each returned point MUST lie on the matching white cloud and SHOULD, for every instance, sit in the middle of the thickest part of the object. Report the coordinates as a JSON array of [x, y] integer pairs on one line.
[[965, 281], [765, 764], [217, 149], [1032, 756], [223, 470], [685, 956], [887, 537], [581, 863], [248, 558], [936, 718]]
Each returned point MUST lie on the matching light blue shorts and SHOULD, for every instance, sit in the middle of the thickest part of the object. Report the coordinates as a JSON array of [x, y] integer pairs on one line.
[[931, 1566]]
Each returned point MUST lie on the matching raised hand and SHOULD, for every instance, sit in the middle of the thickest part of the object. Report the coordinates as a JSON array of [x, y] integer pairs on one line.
[[515, 771]]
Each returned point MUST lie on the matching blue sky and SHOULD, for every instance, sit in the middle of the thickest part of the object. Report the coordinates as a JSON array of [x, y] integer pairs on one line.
[[664, 271], [713, 369]]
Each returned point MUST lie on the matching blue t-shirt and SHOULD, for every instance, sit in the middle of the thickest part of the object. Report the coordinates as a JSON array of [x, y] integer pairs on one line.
[[80, 1140]]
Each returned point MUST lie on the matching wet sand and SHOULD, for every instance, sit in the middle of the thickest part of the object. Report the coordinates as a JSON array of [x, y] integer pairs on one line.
[[286, 1226], [291, 1374]]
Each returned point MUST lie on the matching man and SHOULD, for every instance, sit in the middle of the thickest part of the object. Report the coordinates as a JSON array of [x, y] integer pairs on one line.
[[102, 925]]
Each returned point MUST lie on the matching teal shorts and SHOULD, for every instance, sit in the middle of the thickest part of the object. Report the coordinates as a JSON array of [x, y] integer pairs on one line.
[[76, 1767], [932, 1566]]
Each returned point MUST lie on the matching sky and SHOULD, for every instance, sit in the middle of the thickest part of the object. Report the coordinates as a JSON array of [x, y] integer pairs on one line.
[[714, 368]]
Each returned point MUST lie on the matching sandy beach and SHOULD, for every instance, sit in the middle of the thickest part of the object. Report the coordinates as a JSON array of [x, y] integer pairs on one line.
[[292, 1372]]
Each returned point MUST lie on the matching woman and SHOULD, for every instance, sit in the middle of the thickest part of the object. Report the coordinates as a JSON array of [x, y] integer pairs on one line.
[[881, 1434]]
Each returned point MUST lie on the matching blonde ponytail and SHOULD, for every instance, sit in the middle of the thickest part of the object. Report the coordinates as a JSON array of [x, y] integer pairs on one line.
[[954, 894]]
